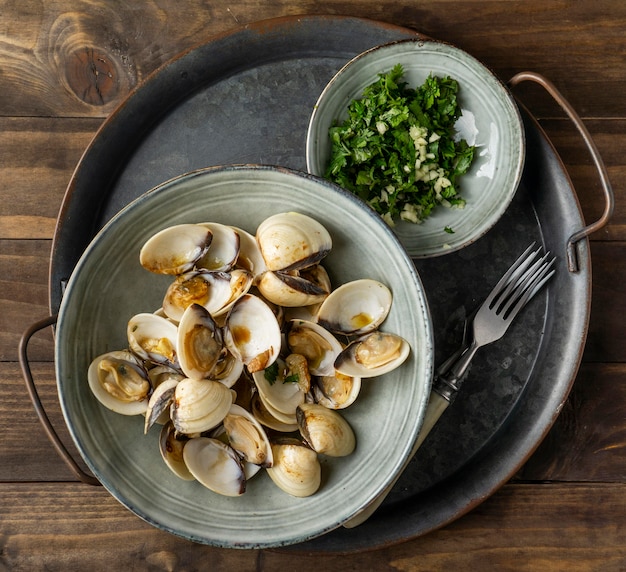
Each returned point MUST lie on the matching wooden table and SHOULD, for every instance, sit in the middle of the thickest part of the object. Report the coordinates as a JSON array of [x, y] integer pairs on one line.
[[65, 65]]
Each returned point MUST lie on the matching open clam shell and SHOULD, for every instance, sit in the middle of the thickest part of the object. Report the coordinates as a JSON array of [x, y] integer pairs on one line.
[[252, 333], [292, 240], [356, 307], [118, 382], [175, 249], [372, 355]]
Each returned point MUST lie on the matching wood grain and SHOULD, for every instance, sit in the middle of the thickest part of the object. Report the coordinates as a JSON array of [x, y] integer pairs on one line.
[[84, 58], [65, 66], [520, 528]]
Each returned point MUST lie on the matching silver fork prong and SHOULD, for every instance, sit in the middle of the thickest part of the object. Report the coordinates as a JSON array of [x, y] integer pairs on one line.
[[517, 280], [531, 286], [517, 287], [511, 274]]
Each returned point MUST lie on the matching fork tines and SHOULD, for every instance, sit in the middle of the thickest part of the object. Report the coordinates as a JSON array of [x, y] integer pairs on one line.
[[523, 280]]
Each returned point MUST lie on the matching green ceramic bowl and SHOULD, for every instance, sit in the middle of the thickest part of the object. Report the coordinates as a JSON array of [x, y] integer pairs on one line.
[[108, 286], [490, 120]]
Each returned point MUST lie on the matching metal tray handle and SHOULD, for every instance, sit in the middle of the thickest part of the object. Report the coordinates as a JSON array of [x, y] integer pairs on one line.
[[572, 255], [34, 396]]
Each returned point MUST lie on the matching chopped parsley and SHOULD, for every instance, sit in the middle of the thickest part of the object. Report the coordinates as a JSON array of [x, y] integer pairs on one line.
[[271, 375], [397, 149]]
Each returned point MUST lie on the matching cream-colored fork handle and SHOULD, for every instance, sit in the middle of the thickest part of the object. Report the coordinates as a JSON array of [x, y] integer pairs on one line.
[[436, 406]]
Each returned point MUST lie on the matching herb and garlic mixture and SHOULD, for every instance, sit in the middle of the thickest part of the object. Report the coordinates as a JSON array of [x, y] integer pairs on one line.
[[397, 149]]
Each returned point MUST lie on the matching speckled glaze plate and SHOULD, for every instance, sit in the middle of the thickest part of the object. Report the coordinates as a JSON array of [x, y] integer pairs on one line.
[[490, 121], [268, 76]]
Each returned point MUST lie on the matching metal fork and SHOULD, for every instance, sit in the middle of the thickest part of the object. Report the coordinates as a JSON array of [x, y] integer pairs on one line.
[[526, 276]]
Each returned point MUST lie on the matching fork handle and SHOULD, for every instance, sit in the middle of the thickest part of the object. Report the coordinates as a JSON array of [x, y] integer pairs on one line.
[[436, 406], [446, 384]]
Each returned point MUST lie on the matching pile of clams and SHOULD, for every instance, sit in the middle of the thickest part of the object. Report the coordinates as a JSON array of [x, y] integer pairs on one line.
[[252, 355]]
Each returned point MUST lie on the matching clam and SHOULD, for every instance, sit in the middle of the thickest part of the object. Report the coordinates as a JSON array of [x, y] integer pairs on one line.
[[215, 465], [292, 240], [374, 354], [252, 333], [247, 436], [228, 369], [160, 402], [171, 445], [223, 250], [250, 257], [175, 249], [263, 416], [153, 338], [212, 290], [296, 468], [356, 307], [280, 395], [199, 405], [292, 288], [325, 430], [199, 343], [118, 382], [315, 343], [336, 391]]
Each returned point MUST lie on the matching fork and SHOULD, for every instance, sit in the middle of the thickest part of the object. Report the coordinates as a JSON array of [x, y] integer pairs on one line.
[[526, 276]]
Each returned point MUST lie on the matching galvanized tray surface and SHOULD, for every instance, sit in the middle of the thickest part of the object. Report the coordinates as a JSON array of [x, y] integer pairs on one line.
[[246, 97]]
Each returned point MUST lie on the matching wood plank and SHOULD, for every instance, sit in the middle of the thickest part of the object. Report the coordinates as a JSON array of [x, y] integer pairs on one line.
[[24, 296], [82, 59], [588, 439], [32, 196], [607, 136], [38, 158], [606, 340], [522, 527], [584, 443]]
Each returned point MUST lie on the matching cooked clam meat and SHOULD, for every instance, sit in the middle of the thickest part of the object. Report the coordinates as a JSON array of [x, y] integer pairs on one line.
[[199, 343], [372, 355], [119, 383]]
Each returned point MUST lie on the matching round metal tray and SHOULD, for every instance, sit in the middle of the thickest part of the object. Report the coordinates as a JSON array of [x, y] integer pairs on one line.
[[246, 97]]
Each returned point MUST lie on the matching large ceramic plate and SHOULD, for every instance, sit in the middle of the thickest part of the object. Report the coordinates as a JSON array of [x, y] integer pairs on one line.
[[109, 286], [490, 121]]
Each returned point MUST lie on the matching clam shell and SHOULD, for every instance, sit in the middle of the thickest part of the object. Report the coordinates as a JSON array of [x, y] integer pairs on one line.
[[199, 405], [292, 240], [153, 338], [199, 343], [296, 468], [171, 446], [325, 430], [223, 251], [356, 307], [247, 436], [175, 249], [252, 333], [215, 465], [374, 354], [319, 346], [122, 373]]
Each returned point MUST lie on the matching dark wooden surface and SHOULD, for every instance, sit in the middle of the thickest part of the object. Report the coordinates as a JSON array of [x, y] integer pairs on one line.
[[65, 65]]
